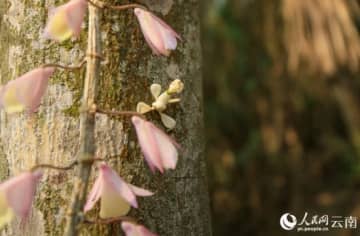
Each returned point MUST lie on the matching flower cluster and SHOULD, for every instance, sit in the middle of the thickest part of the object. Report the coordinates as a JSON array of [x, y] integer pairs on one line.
[[160, 151], [161, 101], [65, 22]]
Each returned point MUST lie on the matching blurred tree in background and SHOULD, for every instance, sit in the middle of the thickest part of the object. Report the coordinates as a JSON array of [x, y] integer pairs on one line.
[[282, 111]]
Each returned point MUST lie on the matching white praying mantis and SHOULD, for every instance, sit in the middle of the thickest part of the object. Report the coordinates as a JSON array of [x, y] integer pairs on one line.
[[162, 100]]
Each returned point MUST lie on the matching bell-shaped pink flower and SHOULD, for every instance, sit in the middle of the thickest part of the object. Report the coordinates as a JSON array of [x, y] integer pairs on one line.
[[160, 37], [65, 21], [25, 92], [160, 151], [116, 195], [16, 196], [131, 229]]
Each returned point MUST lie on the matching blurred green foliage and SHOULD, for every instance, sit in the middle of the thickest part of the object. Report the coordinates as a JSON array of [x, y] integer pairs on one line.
[[276, 143]]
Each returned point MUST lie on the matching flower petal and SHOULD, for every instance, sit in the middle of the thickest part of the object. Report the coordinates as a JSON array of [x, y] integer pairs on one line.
[[112, 203], [65, 21], [113, 183], [32, 87], [26, 92], [168, 38], [10, 100], [148, 144], [94, 194], [167, 27], [160, 37], [75, 14], [168, 122], [143, 108], [19, 192], [168, 35], [131, 229], [144, 231], [140, 191], [167, 148], [150, 30], [58, 28], [155, 90], [6, 213]]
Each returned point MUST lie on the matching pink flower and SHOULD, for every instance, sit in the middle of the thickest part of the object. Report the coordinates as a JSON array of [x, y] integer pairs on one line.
[[116, 195], [135, 230], [158, 148], [160, 37], [16, 196], [25, 92], [65, 21]]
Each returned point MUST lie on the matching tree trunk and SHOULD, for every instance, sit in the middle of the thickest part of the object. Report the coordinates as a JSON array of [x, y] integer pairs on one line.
[[180, 206]]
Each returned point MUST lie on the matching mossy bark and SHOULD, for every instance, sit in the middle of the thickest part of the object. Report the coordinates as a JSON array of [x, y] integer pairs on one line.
[[180, 206]]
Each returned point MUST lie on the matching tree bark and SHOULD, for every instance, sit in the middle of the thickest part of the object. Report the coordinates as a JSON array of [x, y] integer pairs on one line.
[[180, 206]]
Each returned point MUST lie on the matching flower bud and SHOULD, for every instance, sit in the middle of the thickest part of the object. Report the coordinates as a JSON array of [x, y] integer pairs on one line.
[[177, 86]]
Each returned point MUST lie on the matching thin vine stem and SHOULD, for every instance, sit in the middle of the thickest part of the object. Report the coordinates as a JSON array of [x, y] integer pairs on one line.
[[95, 55], [96, 5], [68, 167], [87, 124], [119, 113], [103, 5], [125, 7], [49, 166], [82, 64], [65, 67], [110, 220]]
